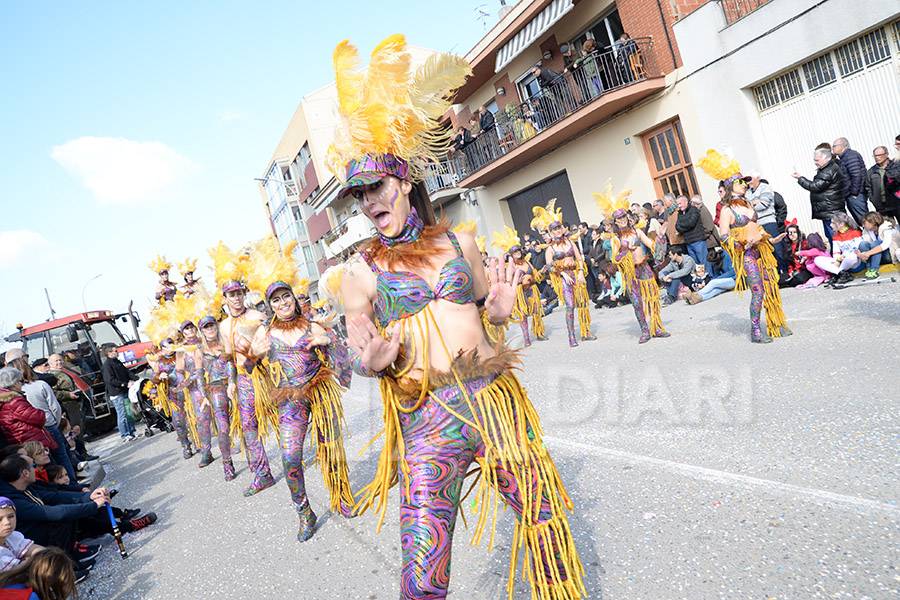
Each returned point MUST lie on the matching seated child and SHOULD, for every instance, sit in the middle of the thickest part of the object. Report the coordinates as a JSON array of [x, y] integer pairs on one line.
[[699, 277], [14, 547]]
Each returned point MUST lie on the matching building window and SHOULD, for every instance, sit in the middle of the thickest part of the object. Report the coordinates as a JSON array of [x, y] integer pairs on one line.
[[849, 59], [767, 95], [604, 31], [789, 85], [528, 86], [819, 72], [669, 160], [874, 47]]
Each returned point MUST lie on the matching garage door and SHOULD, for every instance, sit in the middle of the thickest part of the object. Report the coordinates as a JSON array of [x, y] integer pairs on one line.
[[852, 91], [521, 204]]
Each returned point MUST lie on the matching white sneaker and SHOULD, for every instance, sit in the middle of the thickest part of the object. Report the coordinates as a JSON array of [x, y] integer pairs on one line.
[[81, 466], [128, 438]]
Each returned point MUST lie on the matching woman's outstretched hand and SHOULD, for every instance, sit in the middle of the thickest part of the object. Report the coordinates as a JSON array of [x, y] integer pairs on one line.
[[502, 294], [374, 351]]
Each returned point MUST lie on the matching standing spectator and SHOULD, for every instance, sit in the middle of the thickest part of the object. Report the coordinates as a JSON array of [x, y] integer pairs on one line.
[[761, 195], [589, 72], [854, 170], [781, 211], [41, 396], [116, 377], [826, 190], [689, 225], [721, 191], [15, 353], [709, 226], [547, 112], [671, 217], [882, 181], [66, 391], [584, 244], [676, 273], [878, 241]]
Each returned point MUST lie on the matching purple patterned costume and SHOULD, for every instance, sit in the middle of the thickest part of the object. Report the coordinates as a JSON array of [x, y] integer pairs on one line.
[[306, 396], [192, 387], [256, 451], [219, 371], [176, 399]]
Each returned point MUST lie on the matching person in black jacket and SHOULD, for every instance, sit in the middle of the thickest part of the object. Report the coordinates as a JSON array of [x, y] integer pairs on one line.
[[116, 377], [853, 168], [826, 190], [882, 181], [690, 226]]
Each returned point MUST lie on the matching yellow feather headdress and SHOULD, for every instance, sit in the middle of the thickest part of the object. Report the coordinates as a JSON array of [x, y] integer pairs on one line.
[[719, 166], [268, 264], [506, 240], [160, 264], [608, 203], [389, 111], [330, 285], [187, 266], [471, 228], [166, 319], [544, 217], [227, 266]]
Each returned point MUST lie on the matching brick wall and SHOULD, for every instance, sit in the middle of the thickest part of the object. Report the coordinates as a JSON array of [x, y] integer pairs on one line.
[[512, 94], [641, 18]]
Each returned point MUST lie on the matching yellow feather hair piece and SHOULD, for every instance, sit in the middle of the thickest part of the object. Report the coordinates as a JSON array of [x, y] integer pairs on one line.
[[188, 266], [160, 264], [479, 241], [330, 285], [390, 111], [608, 202], [718, 166], [466, 227], [166, 319], [268, 263], [544, 217], [507, 239], [227, 265]]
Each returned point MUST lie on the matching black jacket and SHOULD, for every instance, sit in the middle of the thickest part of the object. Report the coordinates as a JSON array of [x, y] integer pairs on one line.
[[854, 171], [486, 121], [689, 225], [826, 191], [781, 212], [882, 197], [547, 77], [57, 506], [116, 376]]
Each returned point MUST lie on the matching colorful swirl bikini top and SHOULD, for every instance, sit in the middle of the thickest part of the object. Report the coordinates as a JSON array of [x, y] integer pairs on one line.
[[299, 363], [561, 255], [402, 294], [741, 220]]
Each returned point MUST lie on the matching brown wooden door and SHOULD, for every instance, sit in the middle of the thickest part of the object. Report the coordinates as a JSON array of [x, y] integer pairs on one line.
[[669, 160]]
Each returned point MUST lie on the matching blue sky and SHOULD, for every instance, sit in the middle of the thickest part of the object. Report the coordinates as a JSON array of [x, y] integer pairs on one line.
[[131, 129]]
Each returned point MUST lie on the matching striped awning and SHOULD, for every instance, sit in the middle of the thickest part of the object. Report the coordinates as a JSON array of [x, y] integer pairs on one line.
[[531, 32]]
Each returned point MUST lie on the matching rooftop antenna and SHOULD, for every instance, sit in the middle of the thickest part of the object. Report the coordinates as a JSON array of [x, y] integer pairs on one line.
[[482, 13]]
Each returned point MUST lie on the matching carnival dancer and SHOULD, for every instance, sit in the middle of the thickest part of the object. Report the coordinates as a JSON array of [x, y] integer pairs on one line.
[[413, 298], [191, 382], [218, 373], [237, 330], [750, 248], [528, 297], [168, 399], [629, 249], [165, 289], [567, 270], [308, 364], [191, 284]]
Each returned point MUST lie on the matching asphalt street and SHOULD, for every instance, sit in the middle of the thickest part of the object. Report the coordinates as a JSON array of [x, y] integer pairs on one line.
[[701, 466]]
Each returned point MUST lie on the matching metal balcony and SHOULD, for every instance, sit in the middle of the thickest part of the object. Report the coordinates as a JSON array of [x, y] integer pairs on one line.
[[602, 84], [738, 9], [346, 237]]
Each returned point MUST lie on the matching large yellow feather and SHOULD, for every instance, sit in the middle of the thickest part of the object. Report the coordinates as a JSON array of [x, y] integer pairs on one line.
[[227, 266], [506, 240], [347, 78], [608, 202], [718, 166], [466, 227]]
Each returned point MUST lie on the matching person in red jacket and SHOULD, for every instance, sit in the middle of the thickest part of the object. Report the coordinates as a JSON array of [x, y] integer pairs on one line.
[[19, 421]]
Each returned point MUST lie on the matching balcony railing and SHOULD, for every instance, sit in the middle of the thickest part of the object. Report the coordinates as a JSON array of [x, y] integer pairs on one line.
[[738, 9], [595, 75], [345, 237]]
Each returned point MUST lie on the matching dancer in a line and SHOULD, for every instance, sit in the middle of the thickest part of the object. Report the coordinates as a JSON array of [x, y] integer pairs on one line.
[[308, 365], [750, 248], [191, 284], [165, 289], [192, 384], [567, 271], [413, 299], [238, 329], [753, 256], [528, 296], [168, 399], [218, 372]]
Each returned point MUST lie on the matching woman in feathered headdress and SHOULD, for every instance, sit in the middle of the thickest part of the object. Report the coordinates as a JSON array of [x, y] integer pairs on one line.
[[308, 365], [415, 299], [187, 271], [165, 289], [237, 329], [749, 247], [567, 270], [528, 297], [627, 252]]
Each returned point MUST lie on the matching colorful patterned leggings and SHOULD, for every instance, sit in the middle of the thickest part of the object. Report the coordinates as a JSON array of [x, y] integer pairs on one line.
[[439, 450], [756, 277], [179, 418], [568, 297], [642, 305], [221, 409], [293, 421], [204, 419], [256, 451]]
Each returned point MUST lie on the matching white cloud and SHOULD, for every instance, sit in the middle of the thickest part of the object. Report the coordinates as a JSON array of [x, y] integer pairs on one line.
[[230, 114], [124, 172], [21, 246]]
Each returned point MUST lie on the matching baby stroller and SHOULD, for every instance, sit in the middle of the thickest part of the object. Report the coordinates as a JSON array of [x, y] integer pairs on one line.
[[152, 417]]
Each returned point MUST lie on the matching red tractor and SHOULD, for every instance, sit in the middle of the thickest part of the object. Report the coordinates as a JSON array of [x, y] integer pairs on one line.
[[77, 339]]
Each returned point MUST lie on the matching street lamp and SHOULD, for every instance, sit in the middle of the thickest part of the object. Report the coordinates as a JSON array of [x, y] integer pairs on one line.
[[85, 287]]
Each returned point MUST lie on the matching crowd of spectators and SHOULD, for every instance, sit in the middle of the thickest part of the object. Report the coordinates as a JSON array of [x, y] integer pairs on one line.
[[46, 513], [859, 209]]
